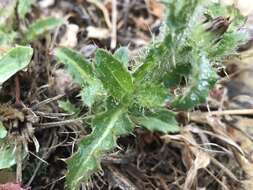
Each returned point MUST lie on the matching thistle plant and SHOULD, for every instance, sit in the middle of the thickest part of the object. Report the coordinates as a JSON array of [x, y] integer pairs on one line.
[[192, 44]]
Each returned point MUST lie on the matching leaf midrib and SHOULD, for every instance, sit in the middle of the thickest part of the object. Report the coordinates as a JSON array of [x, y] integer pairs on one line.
[[107, 131]]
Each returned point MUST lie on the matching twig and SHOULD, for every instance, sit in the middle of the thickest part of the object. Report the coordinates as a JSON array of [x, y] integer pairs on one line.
[[17, 90], [114, 24], [216, 179], [57, 123], [104, 10], [227, 112], [41, 160], [48, 101]]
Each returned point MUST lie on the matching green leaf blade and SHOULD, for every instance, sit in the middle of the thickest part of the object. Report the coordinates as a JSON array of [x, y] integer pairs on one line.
[[41, 26], [13, 61], [151, 95], [122, 54], [79, 68], [203, 78], [92, 92], [106, 128], [115, 78], [161, 120]]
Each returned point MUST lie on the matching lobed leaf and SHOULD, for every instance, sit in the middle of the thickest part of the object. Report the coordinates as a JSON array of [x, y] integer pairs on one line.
[[41, 26], [82, 72], [106, 127], [79, 68], [113, 75], [203, 78], [155, 55], [13, 61], [179, 13]]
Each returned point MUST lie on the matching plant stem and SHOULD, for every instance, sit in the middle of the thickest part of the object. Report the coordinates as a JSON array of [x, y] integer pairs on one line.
[[17, 91]]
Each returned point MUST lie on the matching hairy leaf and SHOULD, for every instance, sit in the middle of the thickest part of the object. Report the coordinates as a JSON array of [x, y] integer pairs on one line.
[[203, 78], [82, 72], [155, 55], [114, 76], [151, 95], [179, 13], [161, 56], [13, 61], [106, 128], [219, 36], [92, 92], [79, 68], [122, 55], [161, 120], [227, 45], [41, 26]]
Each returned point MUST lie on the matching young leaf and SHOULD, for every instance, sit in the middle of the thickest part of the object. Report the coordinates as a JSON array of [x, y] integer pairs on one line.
[[82, 72], [79, 68], [161, 120], [114, 76], [203, 78], [41, 26], [179, 13], [227, 45], [24, 6], [13, 61], [92, 92], [106, 128], [122, 55], [151, 95], [153, 58]]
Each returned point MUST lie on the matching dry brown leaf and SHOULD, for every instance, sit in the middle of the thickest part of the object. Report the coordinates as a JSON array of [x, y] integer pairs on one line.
[[98, 33], [202, 160], [195, 158], [155, 8], [102, 7], [70, 37]]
